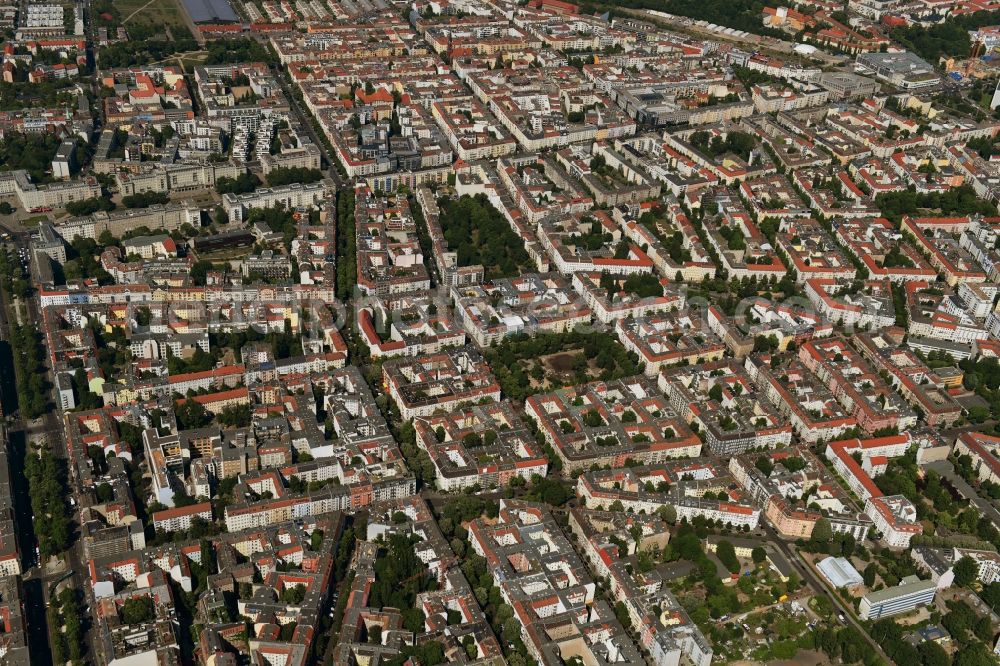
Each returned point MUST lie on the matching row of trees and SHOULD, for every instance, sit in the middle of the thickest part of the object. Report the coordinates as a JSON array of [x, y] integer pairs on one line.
[[66, 630], [13, 278], [27, 352], [245, 182], [46, 476], [29, 366], [145, 199], [89, 206], [289, 175], [347, 245]]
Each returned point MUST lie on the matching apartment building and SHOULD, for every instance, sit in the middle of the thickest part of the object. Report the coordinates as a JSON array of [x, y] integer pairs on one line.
[[795, 491], [607, 423], [525, 544], [531, 303], [483, 445], [424, 384], [729, 412], [181, 518], [296, 195]]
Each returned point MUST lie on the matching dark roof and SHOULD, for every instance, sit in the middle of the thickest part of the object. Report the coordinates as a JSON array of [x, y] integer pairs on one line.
[[210, 11]]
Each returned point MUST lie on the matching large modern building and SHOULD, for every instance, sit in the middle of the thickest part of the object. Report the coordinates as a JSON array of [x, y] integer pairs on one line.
[[903, 598], [903, 69]]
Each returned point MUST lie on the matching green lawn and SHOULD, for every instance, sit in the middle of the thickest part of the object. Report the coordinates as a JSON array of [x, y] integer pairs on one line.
[[158, 14]]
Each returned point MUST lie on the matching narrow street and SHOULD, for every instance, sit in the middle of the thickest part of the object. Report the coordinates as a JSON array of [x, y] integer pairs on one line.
[[34, 588]]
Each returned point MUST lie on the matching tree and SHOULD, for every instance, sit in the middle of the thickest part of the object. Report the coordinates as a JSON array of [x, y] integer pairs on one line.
[[758, 555], [852, 644], [983, 629], [143, 316], [479, 234], [932, 654], [469, 643], [726, 553], [548, 491], [293, 594], [847, 545], [137, 610], [794, 463], [145, 199], [235, 416], [95, 452], [966, 571], [105, 493], [667, 513], [959, 619], [192, 414], [199, 270], [870, 572], [400, 575], [822, 531], [974, 654], [245, 182], [288, 175]]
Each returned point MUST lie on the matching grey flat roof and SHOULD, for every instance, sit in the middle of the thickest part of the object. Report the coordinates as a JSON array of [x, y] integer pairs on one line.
[[210, 11], [906, 587]]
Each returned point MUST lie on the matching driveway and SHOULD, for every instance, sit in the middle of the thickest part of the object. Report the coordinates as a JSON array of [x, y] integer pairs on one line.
[[945, 469]]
